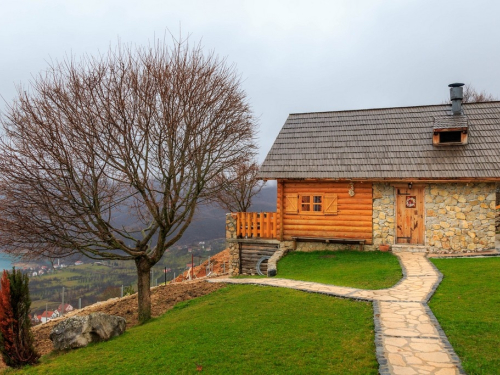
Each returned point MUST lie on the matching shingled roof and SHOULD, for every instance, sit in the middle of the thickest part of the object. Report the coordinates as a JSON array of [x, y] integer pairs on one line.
[[388, 143]]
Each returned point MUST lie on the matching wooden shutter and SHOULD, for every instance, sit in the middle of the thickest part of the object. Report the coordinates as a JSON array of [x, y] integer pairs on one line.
[[330, 205], [291, 204]]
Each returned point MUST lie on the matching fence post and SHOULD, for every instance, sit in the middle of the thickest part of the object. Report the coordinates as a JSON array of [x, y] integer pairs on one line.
[[121, 292], [165, 275], [79, 303], [62, 309]]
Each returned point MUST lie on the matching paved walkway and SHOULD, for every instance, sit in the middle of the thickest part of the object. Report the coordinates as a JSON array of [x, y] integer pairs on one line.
[[408, 337]]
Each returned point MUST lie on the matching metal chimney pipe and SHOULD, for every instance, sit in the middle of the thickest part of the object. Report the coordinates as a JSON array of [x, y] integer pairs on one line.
[[456, 96]]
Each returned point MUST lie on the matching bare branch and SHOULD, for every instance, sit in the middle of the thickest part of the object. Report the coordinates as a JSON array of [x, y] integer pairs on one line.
[[137, 135], [237, 186]]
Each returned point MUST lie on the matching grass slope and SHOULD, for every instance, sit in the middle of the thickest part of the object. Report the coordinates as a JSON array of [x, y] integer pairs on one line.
[[365, 270], [467, 305], [238, 330]]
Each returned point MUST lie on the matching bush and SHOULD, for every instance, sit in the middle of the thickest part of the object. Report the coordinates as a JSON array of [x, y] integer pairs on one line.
[[16, 339], [129, 290]]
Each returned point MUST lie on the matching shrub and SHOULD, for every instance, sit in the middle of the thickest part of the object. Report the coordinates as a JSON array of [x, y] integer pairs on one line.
[[129, 290], [16, 339]]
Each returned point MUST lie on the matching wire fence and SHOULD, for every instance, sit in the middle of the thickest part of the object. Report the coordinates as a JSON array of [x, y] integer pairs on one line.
[[65, 305]]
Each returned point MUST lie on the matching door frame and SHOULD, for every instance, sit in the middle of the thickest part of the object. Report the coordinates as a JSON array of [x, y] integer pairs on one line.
[[421, 228]]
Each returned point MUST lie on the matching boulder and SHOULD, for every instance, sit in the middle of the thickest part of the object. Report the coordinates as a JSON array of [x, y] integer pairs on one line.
[[79, 331]]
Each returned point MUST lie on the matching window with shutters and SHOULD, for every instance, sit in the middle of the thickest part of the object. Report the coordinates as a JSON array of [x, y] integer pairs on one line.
[[311, 204]]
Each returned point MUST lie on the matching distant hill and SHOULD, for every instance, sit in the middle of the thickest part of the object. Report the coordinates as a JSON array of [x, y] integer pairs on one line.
[[209, 221]]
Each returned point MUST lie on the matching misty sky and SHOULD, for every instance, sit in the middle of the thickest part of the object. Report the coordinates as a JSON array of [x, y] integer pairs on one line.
[[294, 56]]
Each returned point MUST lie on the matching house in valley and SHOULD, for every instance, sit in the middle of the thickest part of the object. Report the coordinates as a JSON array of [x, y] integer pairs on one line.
[[66, 308], [46, 316], [418, 178]]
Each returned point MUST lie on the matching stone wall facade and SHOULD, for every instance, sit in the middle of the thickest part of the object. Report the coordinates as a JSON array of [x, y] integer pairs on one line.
[[384, 215], [460, 217]]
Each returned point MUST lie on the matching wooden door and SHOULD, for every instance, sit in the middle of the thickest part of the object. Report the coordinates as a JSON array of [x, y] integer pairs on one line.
[[410, 214]]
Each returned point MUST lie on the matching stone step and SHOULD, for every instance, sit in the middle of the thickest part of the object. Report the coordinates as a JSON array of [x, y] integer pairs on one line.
[[408, 248]]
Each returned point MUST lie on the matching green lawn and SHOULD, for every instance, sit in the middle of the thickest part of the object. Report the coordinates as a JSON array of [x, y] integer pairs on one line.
[[357, 269], [240, 329], [467, 305]]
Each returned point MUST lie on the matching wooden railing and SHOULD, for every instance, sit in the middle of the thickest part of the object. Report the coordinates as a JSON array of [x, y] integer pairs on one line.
[[256, 224]]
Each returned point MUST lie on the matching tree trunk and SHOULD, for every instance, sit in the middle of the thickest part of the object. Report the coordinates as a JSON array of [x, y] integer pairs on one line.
[[143, 289]]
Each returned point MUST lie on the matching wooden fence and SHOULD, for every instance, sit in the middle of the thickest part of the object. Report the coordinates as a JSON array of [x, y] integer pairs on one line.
[[256, 224]]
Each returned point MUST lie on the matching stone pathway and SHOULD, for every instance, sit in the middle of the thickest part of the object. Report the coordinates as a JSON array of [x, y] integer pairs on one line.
[[408, 337]]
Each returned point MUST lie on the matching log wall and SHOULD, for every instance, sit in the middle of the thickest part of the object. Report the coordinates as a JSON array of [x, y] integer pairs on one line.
[[353, 218], [250, 253]]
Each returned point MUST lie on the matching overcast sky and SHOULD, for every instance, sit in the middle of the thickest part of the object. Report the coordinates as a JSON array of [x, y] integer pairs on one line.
[[294, 56]]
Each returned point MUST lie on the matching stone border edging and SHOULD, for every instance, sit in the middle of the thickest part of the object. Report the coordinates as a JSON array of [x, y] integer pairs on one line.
[[272, 263], [466, 256], [383, 363], [436, 285]]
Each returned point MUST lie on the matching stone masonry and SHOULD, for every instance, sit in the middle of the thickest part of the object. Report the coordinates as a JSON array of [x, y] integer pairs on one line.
[[233, 245], [460, 217], [384, 216]]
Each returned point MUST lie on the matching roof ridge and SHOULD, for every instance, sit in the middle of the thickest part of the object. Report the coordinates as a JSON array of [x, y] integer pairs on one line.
[[386, 108]]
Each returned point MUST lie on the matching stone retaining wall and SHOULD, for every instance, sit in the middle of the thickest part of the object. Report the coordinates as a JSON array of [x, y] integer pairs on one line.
[[315, 246]]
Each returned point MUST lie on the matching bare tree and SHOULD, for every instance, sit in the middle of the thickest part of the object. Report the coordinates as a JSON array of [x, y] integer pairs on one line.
[[237, 186], [471, 95], [137, 134]]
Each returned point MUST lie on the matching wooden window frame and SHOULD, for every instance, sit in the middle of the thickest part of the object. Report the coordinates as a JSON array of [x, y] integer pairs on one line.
[[293, 204], [311, 204]]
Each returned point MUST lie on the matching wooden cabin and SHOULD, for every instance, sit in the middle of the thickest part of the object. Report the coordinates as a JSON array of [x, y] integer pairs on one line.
[[416, 178]]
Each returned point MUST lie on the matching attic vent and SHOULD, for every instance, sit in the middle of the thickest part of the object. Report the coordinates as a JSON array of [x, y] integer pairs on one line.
[[445, 137], [450, 137], [450, 130]]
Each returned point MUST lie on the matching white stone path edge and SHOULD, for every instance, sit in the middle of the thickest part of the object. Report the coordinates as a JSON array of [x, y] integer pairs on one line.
[[408, 337]]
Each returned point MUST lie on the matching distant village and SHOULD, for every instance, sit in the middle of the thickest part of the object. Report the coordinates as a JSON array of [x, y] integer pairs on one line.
[[35, 270], [48, 315]]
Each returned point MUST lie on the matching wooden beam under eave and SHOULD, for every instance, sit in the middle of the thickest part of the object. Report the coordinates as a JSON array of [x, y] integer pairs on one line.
[[422, 180]]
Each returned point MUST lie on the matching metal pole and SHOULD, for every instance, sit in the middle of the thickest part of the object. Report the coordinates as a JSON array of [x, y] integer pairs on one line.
[[122, 292], [62, 310], [165, 275], [174, 278], [192, 266], [79, 303]]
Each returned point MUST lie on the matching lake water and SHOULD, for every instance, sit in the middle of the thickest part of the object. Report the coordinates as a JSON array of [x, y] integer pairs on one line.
[[5, 262]]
